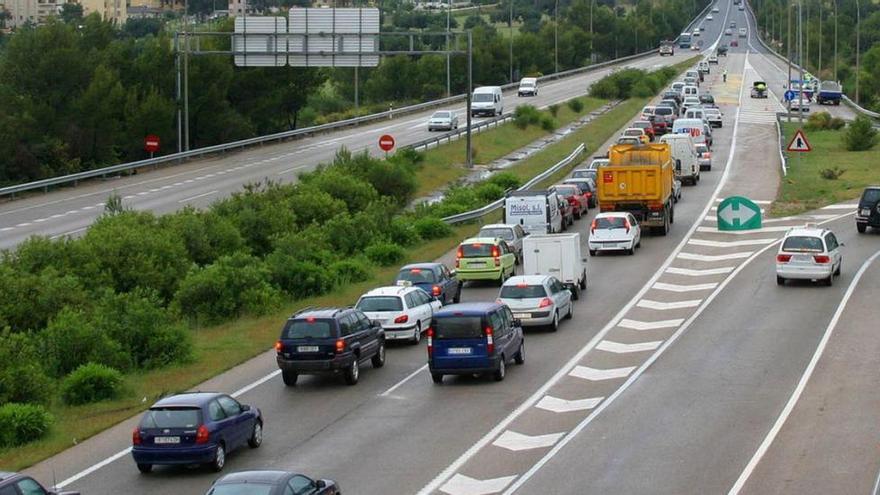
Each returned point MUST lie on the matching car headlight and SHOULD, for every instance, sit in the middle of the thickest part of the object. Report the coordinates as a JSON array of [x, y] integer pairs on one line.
[[865, 212]]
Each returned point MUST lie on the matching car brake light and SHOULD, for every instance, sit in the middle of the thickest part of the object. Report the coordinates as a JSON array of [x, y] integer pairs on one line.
[[490, 343], [821, 258], [783, 258], [589, 194], [459, 254], [545, 302], [279, 346], [202, 434], [340, 345], [416, 270], [435, 290], [430, 334], [626, 225], [593, 226], [522, 285], [495, 252], [399, 319], [136, 436], [310, 319]]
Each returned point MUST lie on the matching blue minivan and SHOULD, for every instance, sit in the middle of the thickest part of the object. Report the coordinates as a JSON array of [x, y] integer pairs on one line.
[[474, 338]]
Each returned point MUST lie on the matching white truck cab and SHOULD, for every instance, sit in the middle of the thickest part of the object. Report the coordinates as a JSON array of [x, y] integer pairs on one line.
[[537, 212], [528, 86], [487, 100]]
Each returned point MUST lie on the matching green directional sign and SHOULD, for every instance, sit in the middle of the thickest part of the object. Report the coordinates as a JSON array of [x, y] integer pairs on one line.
[[738, 213]]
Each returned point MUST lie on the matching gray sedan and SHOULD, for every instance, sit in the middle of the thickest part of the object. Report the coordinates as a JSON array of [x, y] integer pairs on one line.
[[537, 300]]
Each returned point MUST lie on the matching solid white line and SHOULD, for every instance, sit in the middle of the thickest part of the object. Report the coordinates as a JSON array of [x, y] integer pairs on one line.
[[876, 485], [248, 388], [756, 201], [401, 382], [197, 196], [802, 383], [68, 233], [94, 468], [852, 206]]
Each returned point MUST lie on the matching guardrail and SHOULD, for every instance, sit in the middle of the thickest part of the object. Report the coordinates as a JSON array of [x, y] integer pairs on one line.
[[852, 104], [45, 184], [456, 133], [489, 208]]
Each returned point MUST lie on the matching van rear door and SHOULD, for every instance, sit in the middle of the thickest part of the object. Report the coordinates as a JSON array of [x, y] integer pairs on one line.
[[459, 342]]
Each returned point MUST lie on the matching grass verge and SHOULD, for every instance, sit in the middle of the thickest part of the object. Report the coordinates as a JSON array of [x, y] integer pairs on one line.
[[805, 189], [445, 164]]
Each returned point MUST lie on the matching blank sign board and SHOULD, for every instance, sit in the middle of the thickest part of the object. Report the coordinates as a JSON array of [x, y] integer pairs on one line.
[[257, 38], [309, 38]]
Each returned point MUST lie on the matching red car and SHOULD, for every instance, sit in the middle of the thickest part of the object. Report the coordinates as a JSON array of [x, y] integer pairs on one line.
[[572, 194], [734, 43]]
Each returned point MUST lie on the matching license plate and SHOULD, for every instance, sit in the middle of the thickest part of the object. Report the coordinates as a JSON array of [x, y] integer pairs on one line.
[[459, 350], [166, 440], [307, 348], [522, 316]]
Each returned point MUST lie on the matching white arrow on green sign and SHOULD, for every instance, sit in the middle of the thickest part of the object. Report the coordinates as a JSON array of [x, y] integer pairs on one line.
[[738, 213]]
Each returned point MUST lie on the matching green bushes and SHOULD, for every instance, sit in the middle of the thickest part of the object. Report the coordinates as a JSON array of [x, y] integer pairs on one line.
[[385, 253], [860, 135], [628, 83], [576, 105], [22, 377], [91, 382], [526, 115], [823, 120], [22, 423], [432, 228]]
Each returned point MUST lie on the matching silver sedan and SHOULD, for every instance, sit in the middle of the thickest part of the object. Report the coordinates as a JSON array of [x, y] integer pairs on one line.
[[537, 300], [443, 120]]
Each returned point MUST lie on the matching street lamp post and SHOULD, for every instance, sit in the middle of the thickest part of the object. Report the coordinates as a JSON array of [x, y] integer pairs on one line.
[[556, 37], [510, 26], [835, 40], [800, 64], [448, 78], [858, 47], [788, 46]]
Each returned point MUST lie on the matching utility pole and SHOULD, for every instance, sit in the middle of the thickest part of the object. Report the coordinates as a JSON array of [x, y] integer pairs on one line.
[[835, 40], [858, 47], [821, 40], [510, 43], [469, 163], [186, 76], [556, 37], [448, 80], [788, 46], [592, 57], [178, 93], [801, 65]]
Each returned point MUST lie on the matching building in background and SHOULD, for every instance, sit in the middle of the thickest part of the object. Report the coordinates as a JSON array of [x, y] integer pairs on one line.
[[110, 10], [238, 8], [22, 12]]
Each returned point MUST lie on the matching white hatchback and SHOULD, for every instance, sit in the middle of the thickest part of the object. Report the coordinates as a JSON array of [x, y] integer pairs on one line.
[[404, 312], [536, 300], [615, 231], [808, 253]]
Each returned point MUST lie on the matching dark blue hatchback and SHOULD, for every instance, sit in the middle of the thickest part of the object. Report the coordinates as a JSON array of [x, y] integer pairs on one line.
[[195, 428], [471, 338]]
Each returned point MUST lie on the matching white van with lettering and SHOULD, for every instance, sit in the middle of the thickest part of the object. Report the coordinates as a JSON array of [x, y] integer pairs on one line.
[[537, 212]]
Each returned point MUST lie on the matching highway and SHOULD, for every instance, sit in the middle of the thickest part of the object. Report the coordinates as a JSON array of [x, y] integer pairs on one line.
[[676, 366], [198, 183]]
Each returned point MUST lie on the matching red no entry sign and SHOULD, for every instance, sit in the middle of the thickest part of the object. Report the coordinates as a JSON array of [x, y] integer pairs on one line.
[[386, 142], [151, 143]]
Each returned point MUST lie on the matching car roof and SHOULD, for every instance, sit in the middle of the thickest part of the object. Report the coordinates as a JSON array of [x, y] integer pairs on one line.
[[467, 309], [188, 399], [480, 240], [256, 476], [421, 266], [391, 290], [497, 226], [612, 214], [807, 231], [7, 475], [319, 313], [526, 279]]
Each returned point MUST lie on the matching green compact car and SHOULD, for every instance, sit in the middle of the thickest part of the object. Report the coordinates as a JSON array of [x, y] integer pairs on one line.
[[484, 258]]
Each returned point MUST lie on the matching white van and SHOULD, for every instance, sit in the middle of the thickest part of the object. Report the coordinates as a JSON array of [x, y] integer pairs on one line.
[[537, 212], [487, 100], [690, 91], [528, 86], [684, 154], [696, 113], [558, 255]]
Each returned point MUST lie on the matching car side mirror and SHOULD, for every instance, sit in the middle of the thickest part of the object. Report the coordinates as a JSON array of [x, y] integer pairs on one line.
[[320, 484], [245, 407], [517, 322], [452, 273]]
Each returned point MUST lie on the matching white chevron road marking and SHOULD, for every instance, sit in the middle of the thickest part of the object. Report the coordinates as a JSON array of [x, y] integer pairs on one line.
[[691, 272], [557, 405], [711, 258], [465, 485], [619, 348], [665, 306], [649, 325], [683, 288], [516, 442], [594, 374]]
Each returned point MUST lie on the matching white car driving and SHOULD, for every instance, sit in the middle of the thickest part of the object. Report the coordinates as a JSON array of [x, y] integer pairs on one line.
[[615, 231], [713, 116], [808, 253], [537, 300], [405, 312], [443, 120]]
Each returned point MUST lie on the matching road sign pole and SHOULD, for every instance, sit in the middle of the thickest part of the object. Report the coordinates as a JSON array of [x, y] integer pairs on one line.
[[470, 88]]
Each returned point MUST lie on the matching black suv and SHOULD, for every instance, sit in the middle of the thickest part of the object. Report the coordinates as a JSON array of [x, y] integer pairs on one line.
[[15, 484], [329, 341], [868, 214]]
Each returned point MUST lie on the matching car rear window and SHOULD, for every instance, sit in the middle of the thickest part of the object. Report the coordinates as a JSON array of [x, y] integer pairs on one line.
[[441, 115], [522, 291], [476, 250], [632, 132], [172, 417], [380, 303], [567, 190], [663, 111], [642, 125], [458, 327], [417, 275], [610, 223], [307, 328], [250, 488], [807, 244], [506, 234], [871, 196]]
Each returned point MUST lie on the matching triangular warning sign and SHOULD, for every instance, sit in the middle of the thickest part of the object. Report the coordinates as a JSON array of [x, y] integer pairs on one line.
[[799, 142]]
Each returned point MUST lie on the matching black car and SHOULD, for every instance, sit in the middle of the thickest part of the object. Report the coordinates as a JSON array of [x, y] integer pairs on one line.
[[272, 483], [329, 341], [868, 214], [19, 484], [672, 95], [721, 51], [434, 278], [707, 99]]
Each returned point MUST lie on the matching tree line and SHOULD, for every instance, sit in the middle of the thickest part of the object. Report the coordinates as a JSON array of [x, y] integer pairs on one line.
[[77, 94]]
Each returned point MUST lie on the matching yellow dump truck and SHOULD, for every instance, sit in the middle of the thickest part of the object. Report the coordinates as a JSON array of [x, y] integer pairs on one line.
[[638, 179]]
